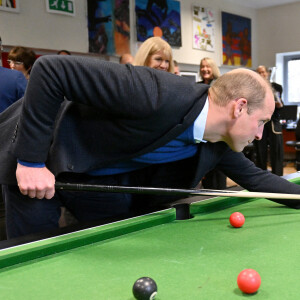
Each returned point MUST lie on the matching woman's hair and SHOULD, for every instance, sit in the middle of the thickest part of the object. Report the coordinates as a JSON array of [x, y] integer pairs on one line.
[[213, 65], [24, 55], [240, 84], [150, 47]]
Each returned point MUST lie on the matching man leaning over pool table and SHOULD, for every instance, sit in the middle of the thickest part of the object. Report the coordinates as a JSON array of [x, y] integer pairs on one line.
[[97, 122]]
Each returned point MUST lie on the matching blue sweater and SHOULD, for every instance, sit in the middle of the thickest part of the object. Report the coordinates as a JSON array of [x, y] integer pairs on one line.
[[180, 148]]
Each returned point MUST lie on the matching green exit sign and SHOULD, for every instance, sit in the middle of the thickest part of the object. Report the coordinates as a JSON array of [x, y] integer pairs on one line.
[[65, 7]]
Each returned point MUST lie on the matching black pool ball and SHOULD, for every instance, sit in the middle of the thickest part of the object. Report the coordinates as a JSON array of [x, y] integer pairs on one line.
[[144, 288]]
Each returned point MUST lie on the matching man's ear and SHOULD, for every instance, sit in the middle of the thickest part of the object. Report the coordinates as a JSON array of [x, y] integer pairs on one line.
[[240, 107]]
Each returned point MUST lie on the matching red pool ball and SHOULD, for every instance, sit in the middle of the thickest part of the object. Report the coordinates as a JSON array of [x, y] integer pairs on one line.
[[237, 219], [248, 281]]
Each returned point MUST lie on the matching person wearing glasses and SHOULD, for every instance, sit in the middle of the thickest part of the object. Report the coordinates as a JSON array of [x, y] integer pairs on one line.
[[155, 53], [21, 59], [12, 85]]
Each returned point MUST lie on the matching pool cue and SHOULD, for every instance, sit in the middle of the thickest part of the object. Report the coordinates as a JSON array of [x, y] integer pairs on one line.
[[171, 191]]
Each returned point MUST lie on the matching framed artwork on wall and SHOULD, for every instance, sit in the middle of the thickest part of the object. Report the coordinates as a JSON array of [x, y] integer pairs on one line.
[[108, 26], [236, 37], [158, 18], [203, 28], [10, 5]]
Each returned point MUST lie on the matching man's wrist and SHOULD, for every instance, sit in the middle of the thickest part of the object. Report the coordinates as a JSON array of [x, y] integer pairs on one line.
[[31, 164]]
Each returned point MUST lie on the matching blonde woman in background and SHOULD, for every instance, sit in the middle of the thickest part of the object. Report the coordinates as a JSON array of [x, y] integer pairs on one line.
[[208, 70], [155, 53]]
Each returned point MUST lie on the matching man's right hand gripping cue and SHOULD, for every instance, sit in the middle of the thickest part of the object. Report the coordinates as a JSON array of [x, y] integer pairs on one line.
[[35, 182]]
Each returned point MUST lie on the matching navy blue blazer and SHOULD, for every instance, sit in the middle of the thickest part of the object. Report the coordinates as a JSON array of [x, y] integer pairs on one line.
[[80, 114]]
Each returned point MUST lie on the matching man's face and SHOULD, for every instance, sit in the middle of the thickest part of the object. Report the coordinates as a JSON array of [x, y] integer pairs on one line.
[[263, 72], [248, 127]]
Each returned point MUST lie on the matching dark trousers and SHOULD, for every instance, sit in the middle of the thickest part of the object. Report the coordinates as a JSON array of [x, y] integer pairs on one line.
[[214, 179], [272, 137], [25, 215]]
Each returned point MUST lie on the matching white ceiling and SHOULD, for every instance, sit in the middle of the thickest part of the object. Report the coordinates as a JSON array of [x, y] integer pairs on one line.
[[257, 4]]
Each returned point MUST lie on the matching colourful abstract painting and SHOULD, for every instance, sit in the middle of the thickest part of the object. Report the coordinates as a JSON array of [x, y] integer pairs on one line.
[[236, 35], [158, 18], [10, 5], [203, 28], [108, 26]]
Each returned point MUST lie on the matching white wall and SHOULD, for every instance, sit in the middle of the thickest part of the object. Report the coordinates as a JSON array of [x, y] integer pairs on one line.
[[278, 31], [273, 30], [34, 27]]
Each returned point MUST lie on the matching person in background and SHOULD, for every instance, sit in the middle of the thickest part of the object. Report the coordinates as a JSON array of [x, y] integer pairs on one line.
[[63, 52], [12, 85], [21, 59], [126, 58], [155, 53], [209, 72], [176, 68], [272, 139]]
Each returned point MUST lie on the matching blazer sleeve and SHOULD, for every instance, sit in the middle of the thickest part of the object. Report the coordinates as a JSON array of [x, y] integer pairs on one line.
[[122, 91], [244, 172]]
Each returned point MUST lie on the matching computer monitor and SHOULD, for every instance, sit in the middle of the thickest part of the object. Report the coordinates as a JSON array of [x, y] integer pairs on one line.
[[192, 76], [289, 112]]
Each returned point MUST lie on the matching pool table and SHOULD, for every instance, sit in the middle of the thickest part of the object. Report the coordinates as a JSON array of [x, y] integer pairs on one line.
[[197, 258]]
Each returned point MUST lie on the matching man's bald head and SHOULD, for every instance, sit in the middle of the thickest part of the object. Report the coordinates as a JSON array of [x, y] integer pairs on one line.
[[126, 58], [241, 83]]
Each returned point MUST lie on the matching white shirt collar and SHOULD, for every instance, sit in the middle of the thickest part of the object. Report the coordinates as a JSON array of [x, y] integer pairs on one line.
[[199, 124]]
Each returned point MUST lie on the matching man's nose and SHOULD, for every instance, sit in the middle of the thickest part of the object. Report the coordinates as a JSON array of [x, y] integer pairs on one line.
[[259, 133]]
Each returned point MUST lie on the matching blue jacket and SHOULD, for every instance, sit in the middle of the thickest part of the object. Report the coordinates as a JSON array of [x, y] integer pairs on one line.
[[12, 87]]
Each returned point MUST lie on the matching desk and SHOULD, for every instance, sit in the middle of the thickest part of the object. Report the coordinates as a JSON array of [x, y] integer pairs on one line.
[[198, 258]]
